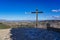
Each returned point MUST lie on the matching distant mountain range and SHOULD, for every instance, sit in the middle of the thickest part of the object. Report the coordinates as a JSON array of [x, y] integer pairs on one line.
[[49, 20], [27, 20]]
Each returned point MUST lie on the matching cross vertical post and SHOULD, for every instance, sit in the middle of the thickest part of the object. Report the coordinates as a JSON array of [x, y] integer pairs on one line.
[[37, 16]]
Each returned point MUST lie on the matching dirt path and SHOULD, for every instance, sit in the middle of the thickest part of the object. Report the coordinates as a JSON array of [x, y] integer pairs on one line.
[[5, 34]]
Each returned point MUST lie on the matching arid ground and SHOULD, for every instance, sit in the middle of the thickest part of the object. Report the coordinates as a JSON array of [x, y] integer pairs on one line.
[[4, 34]]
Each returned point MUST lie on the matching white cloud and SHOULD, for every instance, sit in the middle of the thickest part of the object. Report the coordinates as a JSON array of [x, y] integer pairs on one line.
[[55, 17], [58, 10], [27, 12]]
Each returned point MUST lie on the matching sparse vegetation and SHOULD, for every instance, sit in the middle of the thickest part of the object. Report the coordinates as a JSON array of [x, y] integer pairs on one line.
[[41, 24], [26, 26], [3, 26]]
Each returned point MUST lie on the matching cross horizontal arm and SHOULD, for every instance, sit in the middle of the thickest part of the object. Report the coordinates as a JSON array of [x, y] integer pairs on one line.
[[40, 12], [37, 12]]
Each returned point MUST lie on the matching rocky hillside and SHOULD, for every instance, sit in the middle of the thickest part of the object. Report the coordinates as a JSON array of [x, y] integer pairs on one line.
[[41, 24]]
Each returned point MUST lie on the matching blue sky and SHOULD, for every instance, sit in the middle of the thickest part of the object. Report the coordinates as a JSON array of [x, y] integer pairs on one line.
[[21, 9]]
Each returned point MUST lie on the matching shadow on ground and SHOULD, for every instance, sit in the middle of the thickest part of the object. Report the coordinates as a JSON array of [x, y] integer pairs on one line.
[[34, 34]]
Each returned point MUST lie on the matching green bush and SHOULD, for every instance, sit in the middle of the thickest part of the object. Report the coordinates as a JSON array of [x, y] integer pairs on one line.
[[2, 26], [26, 26]]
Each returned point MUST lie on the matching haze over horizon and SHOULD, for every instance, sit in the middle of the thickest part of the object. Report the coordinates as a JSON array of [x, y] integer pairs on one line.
[[21, 9]]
